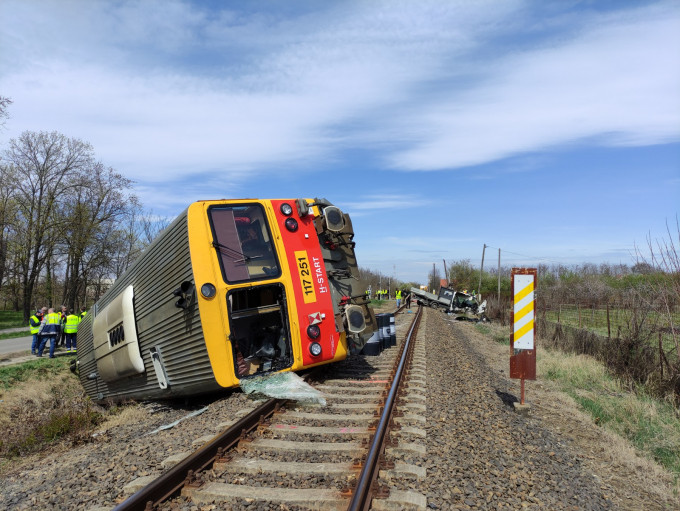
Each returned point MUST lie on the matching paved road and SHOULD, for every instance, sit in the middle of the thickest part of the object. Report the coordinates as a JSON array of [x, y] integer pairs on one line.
[[15, 345]]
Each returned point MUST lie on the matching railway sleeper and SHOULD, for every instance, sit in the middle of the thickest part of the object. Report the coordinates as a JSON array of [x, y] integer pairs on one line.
[[312, 499], [288, 430], [352, 449], [258, 466]]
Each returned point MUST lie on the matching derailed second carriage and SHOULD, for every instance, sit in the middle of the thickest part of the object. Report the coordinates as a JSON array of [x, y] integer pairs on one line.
[[230, 290]]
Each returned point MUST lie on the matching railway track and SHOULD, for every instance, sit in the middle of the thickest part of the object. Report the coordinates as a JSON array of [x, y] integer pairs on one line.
[[363, 450], [480, 453]]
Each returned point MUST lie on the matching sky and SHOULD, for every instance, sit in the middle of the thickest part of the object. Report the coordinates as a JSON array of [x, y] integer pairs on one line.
[[547, 129]]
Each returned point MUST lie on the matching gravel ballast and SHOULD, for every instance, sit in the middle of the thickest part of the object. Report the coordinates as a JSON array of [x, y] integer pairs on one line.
[[480, 454]]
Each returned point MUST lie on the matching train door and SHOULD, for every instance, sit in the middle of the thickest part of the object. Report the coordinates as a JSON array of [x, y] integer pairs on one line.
[[259, 331]]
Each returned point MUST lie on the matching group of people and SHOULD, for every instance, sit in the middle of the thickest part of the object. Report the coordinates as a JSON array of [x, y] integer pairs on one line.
[[55, 327], [383, 294]]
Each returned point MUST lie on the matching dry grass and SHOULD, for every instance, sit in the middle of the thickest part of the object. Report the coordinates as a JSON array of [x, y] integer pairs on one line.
[[652, 426], [120, 416], [577, 371], [617, 460], [38, 412], [495, 331]]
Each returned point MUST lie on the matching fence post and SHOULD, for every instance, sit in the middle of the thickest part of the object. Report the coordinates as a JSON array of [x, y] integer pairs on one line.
[[609, 327]]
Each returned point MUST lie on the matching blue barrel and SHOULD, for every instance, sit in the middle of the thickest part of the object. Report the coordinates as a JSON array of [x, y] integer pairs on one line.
[[385, 327], [393, 330], [372, 346], [380, 331]]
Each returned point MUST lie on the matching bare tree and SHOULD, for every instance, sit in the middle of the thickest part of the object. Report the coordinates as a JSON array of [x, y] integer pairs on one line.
[[663, 256], [4, 105], [47, 167], [98, 202], [7, 214]]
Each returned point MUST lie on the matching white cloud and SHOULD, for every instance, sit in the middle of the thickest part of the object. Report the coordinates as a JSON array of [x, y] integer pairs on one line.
[[168, 90], [617, 83], [384, 201], [90, 73]]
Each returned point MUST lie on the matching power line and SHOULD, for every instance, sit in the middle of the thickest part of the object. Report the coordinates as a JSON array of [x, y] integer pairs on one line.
[[533, 258]]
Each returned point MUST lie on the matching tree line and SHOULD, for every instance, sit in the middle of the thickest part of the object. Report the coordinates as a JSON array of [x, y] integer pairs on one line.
[[69, 224]]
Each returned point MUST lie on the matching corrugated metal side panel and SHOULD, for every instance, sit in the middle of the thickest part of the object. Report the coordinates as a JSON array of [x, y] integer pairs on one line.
[[175, 332]]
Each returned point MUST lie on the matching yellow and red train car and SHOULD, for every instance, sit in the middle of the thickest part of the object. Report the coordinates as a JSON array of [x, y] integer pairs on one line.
[[230, 290]]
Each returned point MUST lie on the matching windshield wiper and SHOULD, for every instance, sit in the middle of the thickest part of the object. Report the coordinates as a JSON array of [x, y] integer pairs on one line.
[[242, 258], [227, 251]]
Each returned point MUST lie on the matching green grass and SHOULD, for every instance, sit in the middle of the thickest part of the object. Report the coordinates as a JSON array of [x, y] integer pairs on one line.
[[650, 425], [498, 334], [594, 408], [11, 319], [14, 335], [43, 368]]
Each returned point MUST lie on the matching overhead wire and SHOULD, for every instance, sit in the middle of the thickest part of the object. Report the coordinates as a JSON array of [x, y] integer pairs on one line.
[[533, 258]]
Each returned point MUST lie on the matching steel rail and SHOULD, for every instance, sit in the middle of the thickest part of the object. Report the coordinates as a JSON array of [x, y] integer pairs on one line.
[[174, 479], [362, 495]]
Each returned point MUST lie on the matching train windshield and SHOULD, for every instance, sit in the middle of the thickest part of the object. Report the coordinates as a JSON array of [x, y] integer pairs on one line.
[[243, 243]]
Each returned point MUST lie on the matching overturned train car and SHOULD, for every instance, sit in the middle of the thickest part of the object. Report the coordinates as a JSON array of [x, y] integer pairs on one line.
[[231, 289]]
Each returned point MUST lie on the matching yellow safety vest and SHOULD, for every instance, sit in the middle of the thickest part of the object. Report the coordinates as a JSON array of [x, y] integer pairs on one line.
[[53, 319], [52, 325], [71, 326], [35, 328]]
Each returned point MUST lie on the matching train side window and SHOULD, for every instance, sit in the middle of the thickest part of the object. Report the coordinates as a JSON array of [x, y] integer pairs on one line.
[[243, 243]]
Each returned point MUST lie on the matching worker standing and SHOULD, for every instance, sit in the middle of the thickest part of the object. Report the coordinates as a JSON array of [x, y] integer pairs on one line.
[[50, 331], [71, 331], [398, 296], [61, 339], [34, 322]]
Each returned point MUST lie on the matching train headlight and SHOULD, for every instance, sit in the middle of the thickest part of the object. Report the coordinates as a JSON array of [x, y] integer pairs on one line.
[[291, 224], [313, 331], [355, 318], [315, 349], [286, 209], [334, 219], [208, 290]]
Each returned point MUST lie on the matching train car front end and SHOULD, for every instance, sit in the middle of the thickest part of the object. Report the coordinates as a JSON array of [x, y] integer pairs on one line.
[[231, 289]]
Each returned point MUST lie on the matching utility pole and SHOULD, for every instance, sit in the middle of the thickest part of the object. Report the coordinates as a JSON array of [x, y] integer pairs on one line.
[[481, 270], [434, 278], [446, 273], [499, 275]]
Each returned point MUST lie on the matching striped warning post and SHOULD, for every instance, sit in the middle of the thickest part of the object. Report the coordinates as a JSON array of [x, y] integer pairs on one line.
[[523, 325]]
